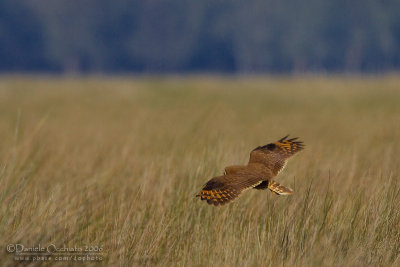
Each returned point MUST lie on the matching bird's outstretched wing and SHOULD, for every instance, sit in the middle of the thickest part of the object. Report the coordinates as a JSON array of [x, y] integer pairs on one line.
[[275, 155], [223, 189]]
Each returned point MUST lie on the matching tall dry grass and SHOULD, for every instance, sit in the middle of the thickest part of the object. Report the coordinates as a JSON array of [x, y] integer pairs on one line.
[[117, 162]]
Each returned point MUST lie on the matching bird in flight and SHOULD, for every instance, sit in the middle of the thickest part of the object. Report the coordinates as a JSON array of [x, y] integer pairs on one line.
[[265, 163]]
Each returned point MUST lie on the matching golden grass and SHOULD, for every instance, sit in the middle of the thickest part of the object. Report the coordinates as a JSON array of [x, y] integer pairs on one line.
[[116, 162]]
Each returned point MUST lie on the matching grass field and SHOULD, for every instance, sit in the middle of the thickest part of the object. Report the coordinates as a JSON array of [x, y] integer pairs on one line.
[[117, 162]]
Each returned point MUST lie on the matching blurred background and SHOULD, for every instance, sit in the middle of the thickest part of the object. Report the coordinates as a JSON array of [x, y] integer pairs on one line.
[[105, 140], [209, 36]]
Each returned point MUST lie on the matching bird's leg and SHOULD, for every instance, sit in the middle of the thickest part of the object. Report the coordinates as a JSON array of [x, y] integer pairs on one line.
[[274, 187], [279, 189]]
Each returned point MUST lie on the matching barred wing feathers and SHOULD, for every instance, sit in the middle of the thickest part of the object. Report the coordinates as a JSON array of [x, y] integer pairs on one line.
[[223, 189], [275, 155]]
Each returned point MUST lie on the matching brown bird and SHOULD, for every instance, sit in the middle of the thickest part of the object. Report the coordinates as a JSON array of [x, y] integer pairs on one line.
[[264, 164]]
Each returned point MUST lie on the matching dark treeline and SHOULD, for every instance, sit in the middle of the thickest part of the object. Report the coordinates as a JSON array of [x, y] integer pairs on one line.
[[208, 35]]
